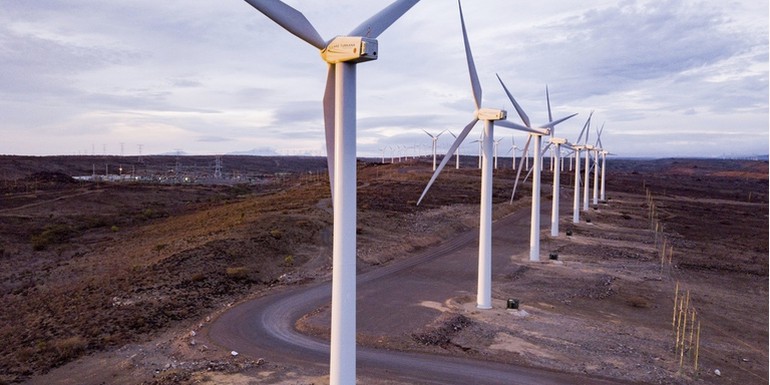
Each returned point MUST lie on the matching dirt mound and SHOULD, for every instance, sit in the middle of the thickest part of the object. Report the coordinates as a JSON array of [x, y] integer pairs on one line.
[[50, 177]]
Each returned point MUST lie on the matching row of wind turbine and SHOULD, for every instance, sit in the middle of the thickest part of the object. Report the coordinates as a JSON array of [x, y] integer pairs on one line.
[[490, 117], [342, 54]]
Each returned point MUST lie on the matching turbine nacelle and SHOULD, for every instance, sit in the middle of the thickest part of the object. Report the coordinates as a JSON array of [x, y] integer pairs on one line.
[[491, 114], [558, 141], [352, 49]]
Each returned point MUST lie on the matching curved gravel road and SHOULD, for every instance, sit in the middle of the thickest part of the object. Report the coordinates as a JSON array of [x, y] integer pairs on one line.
[[265, 326]]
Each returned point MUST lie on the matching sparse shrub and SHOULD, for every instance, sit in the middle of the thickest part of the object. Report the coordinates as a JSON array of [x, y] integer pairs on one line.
[[288, 260], [237, 272], [68, 349], [638, 302], [93, 222], [159, 247], [51, 235], [198, 277], [275, 233], [148, 213], [114, 228]]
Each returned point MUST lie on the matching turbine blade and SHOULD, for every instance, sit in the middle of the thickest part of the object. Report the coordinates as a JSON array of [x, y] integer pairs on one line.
[[521, 165], [545, 149], [378, 23], [519, 110], [548, 101], [515, 126], [585, 126], [328, 103], [448, 155], [588, 132], [475, 84], [429, 134], [599, 137], [528, 174], [553, 123], [290, 19]]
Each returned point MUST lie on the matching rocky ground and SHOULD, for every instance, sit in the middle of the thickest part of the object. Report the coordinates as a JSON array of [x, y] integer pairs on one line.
[[115, 283]]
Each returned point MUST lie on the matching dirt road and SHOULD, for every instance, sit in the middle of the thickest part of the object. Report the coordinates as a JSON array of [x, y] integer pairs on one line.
[[391, 300]]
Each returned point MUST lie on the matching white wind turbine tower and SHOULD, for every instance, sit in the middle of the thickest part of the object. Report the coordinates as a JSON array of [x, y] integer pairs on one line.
[[604, 154], [490, 117], [513, 149], [553, 130], [480, 141], [556, 169], [558, 142], [534, 235], [457, 154], [342, 53], [596, 151], [497, 144], [588, 148], [577, 148], [434, 139]]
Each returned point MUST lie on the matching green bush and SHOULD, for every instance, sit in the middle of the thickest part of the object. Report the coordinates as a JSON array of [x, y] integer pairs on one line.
[[51, 235]]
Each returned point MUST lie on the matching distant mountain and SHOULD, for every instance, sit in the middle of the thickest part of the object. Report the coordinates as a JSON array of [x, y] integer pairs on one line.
[[264, 151]]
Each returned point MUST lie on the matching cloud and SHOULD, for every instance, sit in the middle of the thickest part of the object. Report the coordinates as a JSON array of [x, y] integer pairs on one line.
[[221, 76]]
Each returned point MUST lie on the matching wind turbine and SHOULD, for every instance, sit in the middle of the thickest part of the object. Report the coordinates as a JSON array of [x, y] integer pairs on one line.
[[534, 234], [558, 142], [604, 154], [392, 154], [556, 169], [457, 154], [596, 151], [497, 144], [577, 148], [480, 141], [434, 139], [342, 54], [490, 117], [588, 148], [513, 153]]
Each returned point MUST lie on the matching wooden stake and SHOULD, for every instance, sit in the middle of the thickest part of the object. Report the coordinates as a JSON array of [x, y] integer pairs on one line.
[[676, 300], [679, 323], [697, 347], [681, 347], [692, 328]]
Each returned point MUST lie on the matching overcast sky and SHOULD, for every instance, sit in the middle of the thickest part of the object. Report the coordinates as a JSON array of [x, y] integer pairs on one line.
[[667, 78]]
